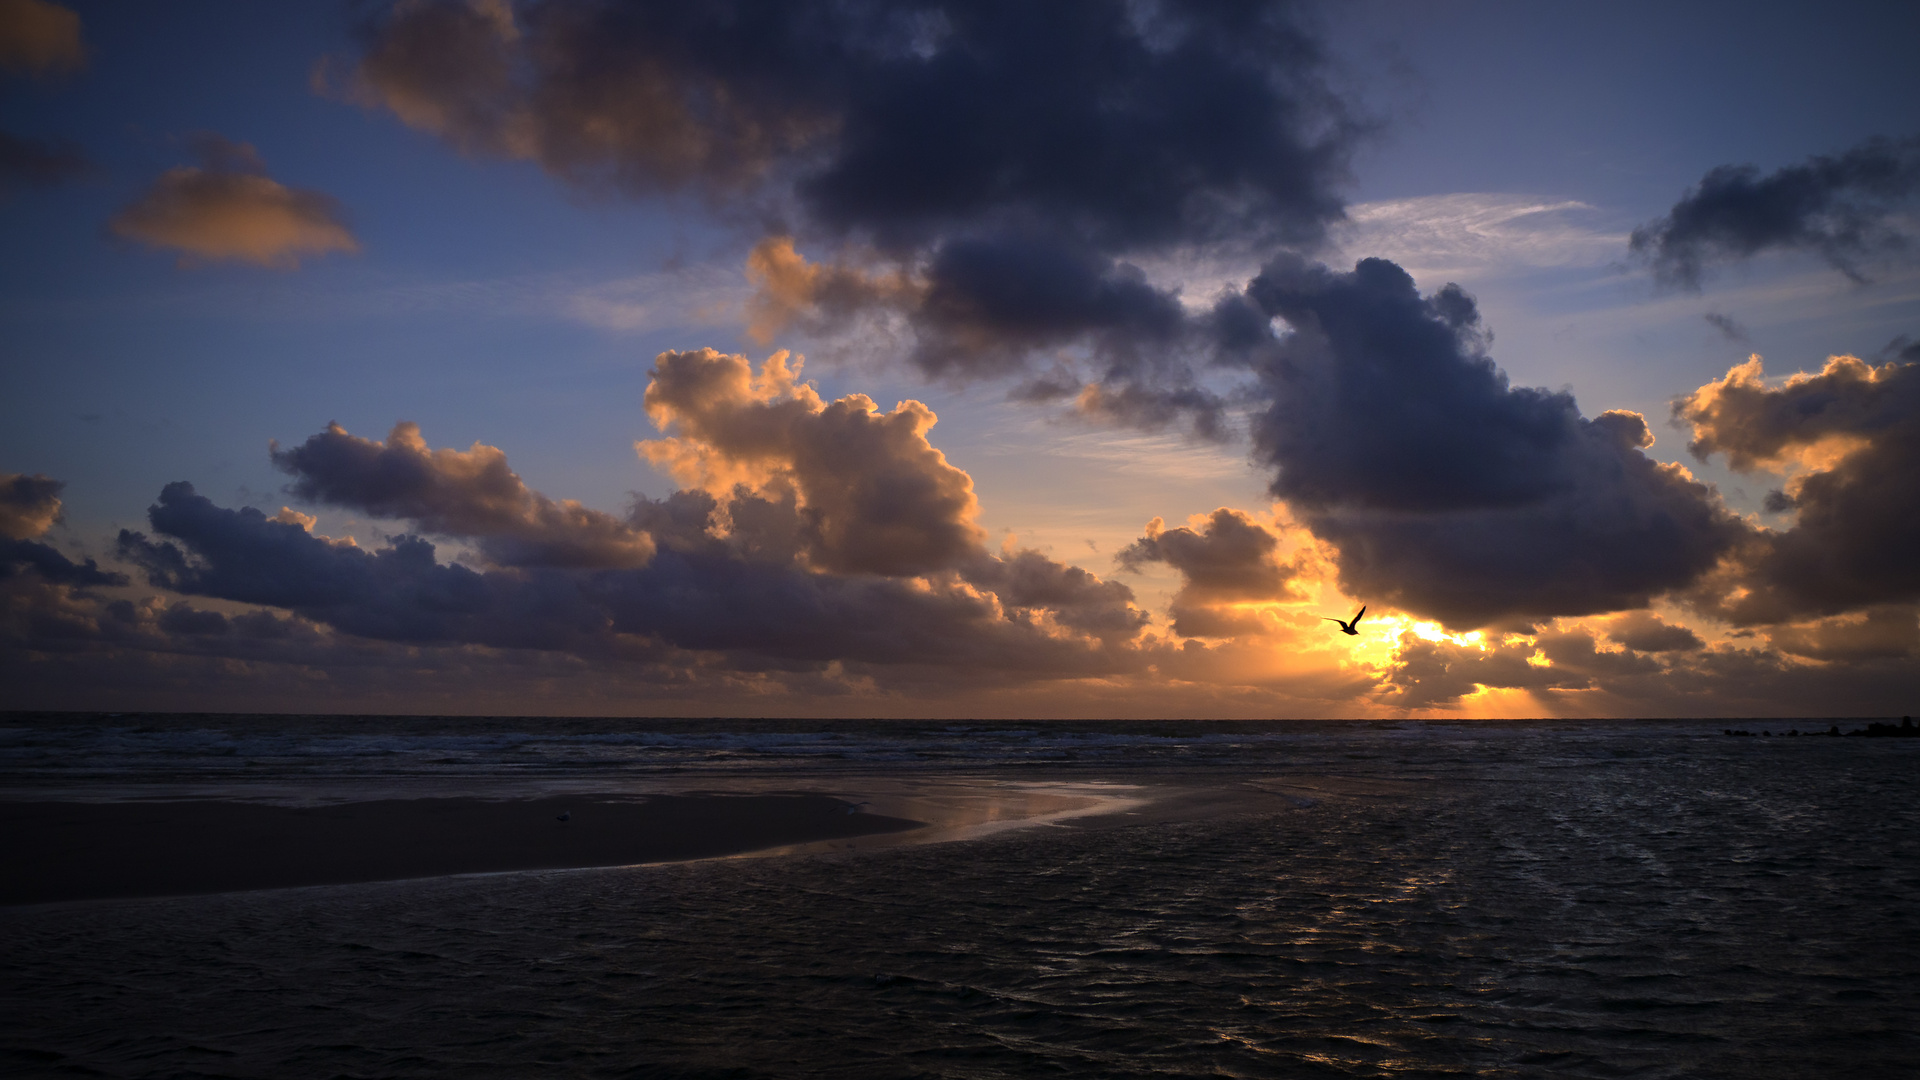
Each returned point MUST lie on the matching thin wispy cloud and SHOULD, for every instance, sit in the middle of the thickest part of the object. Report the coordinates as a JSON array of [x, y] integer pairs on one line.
[[697, 296], [1435, 236]]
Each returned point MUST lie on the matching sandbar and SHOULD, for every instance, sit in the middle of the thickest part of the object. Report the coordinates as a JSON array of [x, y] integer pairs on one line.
[[57, 851]]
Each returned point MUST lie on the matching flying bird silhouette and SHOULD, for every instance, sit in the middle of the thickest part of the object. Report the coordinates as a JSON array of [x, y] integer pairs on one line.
[[1348, 626]]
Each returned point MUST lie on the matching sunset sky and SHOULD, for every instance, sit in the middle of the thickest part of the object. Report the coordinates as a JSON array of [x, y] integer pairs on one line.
[[947, 359]]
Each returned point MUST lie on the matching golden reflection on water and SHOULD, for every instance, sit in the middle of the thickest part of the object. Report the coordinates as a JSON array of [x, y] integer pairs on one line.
[[967, 808]]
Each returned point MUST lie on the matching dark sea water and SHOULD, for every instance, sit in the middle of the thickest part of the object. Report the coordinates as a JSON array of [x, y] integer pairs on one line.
[[1398, 900]]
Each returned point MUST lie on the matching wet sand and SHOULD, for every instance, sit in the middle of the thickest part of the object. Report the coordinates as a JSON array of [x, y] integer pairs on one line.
[[52, 851]]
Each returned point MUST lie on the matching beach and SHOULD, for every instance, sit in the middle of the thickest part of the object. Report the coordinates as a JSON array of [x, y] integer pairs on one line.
[[82, 851], [1511, 900]]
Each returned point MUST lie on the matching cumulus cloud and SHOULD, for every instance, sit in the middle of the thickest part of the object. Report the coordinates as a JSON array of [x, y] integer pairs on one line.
[[873, 495], [703, 596], [1842, 208], [397, 593], [29, 506], [1846, 441], [1861, 665], [812, 536], [1225, 560], [993, 302], [228, 208], [39, 38], [1428, 672], [1447, 492], [466, 493], [821, 297], [722, 618]]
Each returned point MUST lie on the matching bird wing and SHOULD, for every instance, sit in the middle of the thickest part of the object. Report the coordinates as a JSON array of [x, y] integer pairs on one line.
[[1356, 618]]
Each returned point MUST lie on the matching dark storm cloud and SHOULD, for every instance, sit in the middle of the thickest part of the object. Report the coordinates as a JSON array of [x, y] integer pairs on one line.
[[20, 557], [1856, 429], [1842, 208], [398, 593], [184, 618], [1122, 125], [1643, 631], [26, 162], [989, 305], [62, 647], [470, 494], [990, 302], [1001, 156], [1448, 492]]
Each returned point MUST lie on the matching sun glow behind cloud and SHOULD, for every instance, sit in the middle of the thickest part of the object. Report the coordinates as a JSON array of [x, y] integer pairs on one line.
[[1175, 432]]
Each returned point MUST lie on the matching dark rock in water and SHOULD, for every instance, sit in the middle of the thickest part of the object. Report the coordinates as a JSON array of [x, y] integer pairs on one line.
[[1903, 730]]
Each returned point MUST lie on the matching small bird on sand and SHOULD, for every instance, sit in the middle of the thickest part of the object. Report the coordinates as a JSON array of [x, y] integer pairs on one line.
[[1348, 626], [566, 815]]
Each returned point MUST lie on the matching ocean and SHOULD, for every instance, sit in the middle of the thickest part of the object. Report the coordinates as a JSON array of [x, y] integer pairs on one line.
[[1396, 899]]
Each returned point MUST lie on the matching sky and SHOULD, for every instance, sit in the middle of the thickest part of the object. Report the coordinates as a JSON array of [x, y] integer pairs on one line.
[[960, 359]]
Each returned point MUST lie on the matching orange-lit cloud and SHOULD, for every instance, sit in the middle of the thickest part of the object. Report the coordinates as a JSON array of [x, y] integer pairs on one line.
[[39, 38], [835, 547], [647, 117], [29, 505], [789, 290], [1887, 632], [873, 494], [1847, 438], [228, 208], [825, 557], [1758, 426], [32, 572], [1228, 563]]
